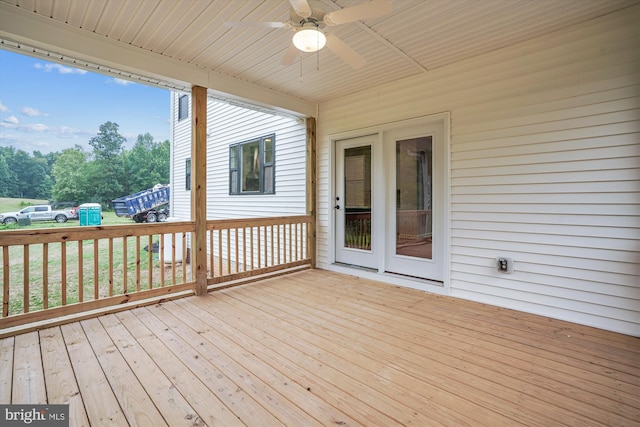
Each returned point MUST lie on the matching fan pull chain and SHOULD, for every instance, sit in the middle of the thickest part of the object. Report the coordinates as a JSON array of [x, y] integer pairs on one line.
[[300, 78]]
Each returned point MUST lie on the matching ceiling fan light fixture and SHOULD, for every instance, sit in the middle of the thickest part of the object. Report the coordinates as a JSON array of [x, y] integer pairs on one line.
[[309, 38]]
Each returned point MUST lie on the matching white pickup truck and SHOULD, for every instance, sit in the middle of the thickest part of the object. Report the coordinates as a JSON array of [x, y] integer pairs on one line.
[[38, 213]]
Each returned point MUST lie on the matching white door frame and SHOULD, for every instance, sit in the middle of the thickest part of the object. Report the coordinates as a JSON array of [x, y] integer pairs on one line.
[[379, 182]]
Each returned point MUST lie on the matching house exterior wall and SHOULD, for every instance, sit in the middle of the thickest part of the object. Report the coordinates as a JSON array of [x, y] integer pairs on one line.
[[230, 124], [544, 168]]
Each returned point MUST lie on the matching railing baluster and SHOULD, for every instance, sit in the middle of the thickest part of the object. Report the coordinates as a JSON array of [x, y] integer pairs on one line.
[[173, 258], [228, 251], [150, 262], [251, 246], [237, 259], [137, 263], [124, 264], [45, 276], [25, 278], [184, 257], [220, 253], [161, 250], [5, 281], [258, 246], [96, 270], [111, 267], [244, 249], [63, 271], [211, 253], [80, 271]]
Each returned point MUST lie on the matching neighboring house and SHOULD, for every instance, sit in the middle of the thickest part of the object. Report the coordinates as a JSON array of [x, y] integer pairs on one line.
[[269, 152]]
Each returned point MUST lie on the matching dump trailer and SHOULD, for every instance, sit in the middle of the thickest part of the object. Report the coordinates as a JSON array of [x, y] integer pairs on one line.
[[144, 206]]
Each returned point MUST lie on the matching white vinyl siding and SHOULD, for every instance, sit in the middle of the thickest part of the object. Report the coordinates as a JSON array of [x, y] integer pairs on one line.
[[180, 206], [231, 124], [545, 168]]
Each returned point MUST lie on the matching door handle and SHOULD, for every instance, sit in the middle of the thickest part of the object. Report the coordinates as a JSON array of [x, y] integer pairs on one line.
[[336, 207]]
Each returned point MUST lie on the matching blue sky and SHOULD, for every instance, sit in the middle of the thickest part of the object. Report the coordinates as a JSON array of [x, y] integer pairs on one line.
[[48, 107]]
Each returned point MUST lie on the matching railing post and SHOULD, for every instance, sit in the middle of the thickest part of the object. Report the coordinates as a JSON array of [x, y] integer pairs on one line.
[[311, 188], [199, 187]]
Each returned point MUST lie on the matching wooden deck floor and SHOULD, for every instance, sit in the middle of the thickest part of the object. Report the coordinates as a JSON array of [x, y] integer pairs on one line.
[[317, 348]]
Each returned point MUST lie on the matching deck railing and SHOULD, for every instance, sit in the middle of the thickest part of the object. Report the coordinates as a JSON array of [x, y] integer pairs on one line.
[[55, 272], [248, 247]]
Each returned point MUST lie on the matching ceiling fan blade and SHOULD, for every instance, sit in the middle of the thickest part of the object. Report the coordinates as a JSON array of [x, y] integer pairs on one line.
[[290, 55], [360, 12], [345, 53], [301, 7], [245, 24]]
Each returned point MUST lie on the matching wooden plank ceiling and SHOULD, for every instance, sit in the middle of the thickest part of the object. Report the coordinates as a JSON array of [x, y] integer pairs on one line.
[[418, 36]]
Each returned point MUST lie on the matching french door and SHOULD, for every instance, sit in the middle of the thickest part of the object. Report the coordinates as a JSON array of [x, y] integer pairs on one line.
[[355, 216], [389, 204], [415, 229]]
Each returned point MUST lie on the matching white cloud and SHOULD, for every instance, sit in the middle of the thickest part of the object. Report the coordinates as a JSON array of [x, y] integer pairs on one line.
[[13, 123], [3, 108], [122, 82], [48, 67], [31, 112]]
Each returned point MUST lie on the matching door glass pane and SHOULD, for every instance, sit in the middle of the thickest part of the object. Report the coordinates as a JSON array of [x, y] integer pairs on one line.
[[357, 197], [414, 197]]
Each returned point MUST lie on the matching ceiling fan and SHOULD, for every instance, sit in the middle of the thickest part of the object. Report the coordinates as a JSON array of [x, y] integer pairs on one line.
[[308, 23]]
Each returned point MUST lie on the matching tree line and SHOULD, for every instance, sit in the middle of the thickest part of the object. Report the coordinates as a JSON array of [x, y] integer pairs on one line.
[[105, 173]]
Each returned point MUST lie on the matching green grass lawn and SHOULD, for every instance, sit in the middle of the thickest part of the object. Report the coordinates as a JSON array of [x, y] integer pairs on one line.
[[12, 205]]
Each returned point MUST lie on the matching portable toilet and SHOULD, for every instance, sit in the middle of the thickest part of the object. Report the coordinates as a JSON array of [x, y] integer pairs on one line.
[[90, 214]]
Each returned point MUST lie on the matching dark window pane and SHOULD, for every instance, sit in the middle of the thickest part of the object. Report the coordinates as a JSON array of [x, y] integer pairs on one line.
[[268, 179], [187, 175], [183, 107], [268, 150], [251, 166]]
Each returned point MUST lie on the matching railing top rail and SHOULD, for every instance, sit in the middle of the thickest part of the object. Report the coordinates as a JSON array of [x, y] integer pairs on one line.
[[71, 234], [223, 224]]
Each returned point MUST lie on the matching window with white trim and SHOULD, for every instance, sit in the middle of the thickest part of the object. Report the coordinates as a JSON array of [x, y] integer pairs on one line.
[[252, 166]]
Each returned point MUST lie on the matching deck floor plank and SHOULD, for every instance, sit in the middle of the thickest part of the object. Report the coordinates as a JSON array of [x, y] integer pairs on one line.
[[319, 348], [175, 409], [233, 367], [208, 406], [98, 397], [28, 374], [6, 369], [438, 309], [566, 336], [230, 393], [427, 375], [331, 349], [62, 387], [270, 369], [136, 404], [329, 384], [472, 351]]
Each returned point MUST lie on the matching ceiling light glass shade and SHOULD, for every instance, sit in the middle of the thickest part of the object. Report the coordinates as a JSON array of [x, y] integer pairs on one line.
[[309, 39]]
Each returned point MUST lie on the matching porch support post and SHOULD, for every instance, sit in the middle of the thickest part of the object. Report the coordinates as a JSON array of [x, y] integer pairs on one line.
[[311, 187], [199, 187]]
